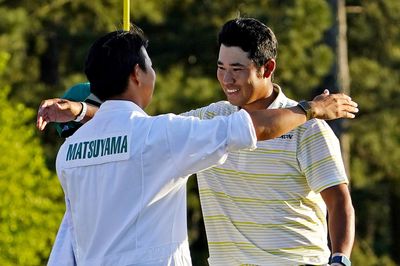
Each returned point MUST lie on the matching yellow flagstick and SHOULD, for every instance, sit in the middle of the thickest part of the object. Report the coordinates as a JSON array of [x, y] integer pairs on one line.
[[126, 15]]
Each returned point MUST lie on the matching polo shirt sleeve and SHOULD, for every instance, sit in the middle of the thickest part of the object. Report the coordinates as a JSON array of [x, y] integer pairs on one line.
[[199, 144], [196, 112], [215, 109], [319, 156]]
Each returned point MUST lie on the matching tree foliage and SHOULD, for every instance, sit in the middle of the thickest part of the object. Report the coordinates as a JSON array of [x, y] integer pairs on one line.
[[374, 45], [30, 197]]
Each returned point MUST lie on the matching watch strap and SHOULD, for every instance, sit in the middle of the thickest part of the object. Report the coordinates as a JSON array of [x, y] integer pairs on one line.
[[305, 106], [341, 259]]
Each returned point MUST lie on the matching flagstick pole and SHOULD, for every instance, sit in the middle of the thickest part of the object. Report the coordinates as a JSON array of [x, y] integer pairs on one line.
[[126, 15]]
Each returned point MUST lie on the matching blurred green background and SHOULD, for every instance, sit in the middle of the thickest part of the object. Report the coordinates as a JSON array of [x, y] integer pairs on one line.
[[42, 49]]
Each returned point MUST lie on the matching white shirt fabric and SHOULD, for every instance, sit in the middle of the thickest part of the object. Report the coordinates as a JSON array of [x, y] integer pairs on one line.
[[62, 253], [124, 175], [264, 207]]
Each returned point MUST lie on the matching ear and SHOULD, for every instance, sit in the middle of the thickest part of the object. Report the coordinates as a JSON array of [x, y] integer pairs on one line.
[[269, 68], [135, 75]]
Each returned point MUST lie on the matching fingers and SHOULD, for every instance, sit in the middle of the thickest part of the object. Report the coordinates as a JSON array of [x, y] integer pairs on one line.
[[350, 111], [333, 106], [349, 106], [352, 103], [349, 115], [342, 96], [39, 119], [41, 123], [42, 118]]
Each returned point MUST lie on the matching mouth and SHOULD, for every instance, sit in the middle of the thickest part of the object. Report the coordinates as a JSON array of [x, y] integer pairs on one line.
[[229, 91]]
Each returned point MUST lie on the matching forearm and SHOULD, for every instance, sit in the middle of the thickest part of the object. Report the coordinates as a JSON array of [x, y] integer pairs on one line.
[[341, 228], [272, 123]]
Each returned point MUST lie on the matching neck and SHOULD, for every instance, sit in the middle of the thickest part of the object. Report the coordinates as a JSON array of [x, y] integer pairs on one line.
[[130, 95], [264, 102]]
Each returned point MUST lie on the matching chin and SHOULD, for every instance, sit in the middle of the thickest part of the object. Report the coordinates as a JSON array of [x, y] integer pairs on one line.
[[233, 102]]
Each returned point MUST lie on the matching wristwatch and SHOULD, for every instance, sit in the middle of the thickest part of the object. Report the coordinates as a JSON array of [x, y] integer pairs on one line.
[[305, 106], [342, 260]]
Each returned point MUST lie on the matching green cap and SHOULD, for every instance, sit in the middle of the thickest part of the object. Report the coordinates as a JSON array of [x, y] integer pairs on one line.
[[77, 93]]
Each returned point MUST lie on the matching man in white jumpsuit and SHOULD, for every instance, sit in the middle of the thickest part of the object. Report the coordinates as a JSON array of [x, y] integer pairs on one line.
[[124, 173]]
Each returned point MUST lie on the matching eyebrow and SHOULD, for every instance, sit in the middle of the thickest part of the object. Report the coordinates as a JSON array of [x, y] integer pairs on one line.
[[234, 64]]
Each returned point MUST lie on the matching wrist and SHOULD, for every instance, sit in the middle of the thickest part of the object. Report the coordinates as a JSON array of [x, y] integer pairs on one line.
[[307, 108], [340, 259], [314, 109], [82, 112]]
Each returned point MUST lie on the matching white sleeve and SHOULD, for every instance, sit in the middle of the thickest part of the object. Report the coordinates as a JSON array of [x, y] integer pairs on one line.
[[199, 144], [62, 253]]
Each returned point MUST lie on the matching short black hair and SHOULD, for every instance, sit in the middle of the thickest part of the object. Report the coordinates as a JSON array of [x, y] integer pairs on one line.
[[112, 58], [251, 36]]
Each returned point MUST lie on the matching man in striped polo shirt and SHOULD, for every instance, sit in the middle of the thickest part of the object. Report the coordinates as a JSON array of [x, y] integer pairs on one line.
[[268, 206]]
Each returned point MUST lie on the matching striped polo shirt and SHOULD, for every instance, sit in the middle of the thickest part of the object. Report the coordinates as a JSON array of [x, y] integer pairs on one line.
[[263, 207]]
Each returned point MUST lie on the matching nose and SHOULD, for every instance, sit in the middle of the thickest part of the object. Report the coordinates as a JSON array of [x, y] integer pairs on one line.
[[228, 78]]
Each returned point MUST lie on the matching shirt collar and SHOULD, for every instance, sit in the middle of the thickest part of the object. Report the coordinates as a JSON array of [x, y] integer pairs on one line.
[[120, 105], [280, 100]]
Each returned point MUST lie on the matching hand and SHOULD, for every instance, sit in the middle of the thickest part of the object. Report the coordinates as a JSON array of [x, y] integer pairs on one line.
[[56, 110], [332, 106]]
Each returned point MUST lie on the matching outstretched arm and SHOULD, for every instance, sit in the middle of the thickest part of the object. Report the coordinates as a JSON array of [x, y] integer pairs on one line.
[[272, 123]]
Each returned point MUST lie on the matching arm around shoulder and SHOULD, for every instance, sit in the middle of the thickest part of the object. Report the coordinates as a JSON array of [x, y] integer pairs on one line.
[[272, 123]]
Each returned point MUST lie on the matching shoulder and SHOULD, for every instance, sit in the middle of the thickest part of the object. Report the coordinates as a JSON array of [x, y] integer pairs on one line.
[[316, 134], [317, 125], [221, 108]]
